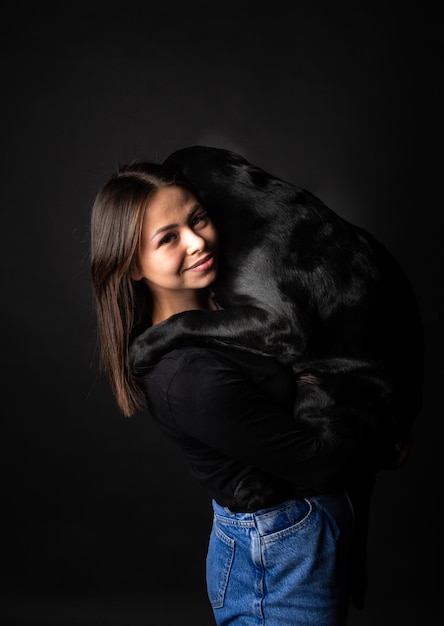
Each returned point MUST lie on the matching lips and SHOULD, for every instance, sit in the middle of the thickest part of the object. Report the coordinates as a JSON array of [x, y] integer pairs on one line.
[[203, 264]]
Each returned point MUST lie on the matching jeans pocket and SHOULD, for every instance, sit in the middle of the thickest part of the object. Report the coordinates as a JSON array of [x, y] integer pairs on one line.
[[219, 561]]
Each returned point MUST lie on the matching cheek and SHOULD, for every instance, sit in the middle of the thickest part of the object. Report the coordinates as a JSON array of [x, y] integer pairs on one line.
[[168, 262], [155, 264]]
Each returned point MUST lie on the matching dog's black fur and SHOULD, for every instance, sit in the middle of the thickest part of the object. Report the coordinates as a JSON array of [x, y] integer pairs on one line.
[[299, 282]]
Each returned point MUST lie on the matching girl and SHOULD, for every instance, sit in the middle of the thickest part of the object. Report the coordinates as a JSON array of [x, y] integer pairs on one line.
[[283, 523]]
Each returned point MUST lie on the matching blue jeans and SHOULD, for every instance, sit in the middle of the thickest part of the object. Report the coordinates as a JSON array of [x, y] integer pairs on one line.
[[286, 565]]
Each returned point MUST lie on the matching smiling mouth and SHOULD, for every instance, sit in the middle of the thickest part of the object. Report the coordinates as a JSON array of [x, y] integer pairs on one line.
[[203, 264]]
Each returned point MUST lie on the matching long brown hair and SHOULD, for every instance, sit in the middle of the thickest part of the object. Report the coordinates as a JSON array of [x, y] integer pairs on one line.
[[122, 305]]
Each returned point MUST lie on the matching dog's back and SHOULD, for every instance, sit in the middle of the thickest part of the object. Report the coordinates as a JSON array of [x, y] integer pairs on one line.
[[284, 249]]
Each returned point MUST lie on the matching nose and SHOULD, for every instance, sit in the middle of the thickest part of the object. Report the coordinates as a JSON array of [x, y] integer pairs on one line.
[[193, 242]]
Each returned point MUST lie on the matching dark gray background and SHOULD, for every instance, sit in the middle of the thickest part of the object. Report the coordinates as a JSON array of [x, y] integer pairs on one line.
[[102, 525]]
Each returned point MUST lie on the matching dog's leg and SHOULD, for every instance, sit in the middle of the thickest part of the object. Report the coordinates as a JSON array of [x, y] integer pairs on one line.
[[242, 328], [358, 406]]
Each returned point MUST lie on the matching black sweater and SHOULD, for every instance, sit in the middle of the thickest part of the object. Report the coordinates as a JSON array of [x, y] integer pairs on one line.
[[230, 412]]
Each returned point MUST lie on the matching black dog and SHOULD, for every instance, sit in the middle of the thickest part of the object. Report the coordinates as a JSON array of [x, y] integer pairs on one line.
[[299, 282]]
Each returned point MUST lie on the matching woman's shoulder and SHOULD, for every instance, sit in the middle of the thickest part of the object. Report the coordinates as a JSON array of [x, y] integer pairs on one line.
[[216, 362], [198, 379], [187, 368], [186, 356], [237, 356]]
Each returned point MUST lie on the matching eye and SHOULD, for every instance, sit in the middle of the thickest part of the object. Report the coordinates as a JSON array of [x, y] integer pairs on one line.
[[199, 219], [168, 238]]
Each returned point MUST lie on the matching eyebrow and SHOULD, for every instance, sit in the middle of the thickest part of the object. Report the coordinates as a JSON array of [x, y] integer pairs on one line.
[[162, 229]]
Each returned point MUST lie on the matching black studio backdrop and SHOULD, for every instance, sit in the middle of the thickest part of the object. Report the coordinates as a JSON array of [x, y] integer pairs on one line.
[[101, 522]]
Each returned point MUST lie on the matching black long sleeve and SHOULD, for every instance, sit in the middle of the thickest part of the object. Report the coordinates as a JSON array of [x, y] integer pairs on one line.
[[231, 414]]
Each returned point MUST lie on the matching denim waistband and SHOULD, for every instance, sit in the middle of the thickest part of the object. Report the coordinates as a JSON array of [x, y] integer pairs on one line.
[[278, 517]]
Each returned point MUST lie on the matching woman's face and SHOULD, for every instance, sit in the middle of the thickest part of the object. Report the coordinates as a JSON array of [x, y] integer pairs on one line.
[[178, 248]]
